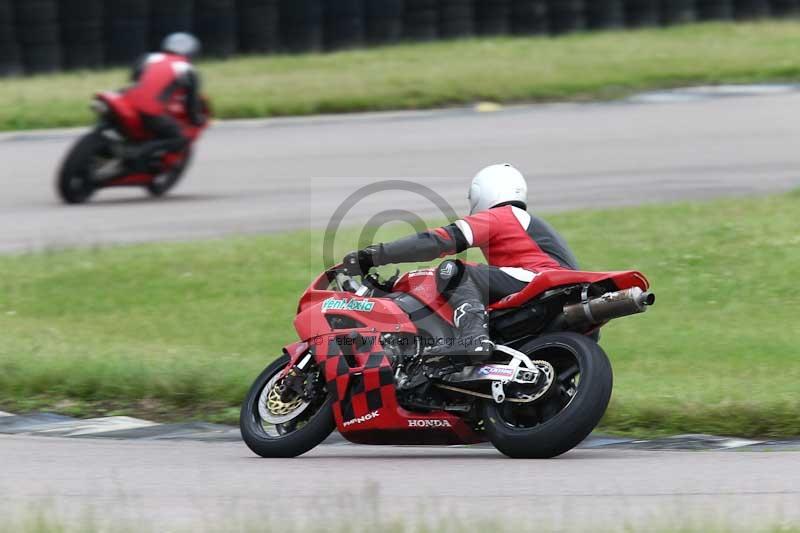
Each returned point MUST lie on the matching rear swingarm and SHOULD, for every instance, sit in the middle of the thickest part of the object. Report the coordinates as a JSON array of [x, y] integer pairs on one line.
[[520, 370]]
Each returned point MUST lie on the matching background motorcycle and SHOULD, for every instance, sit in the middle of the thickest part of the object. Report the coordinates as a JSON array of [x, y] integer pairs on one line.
[[98, 159], [361, 366]]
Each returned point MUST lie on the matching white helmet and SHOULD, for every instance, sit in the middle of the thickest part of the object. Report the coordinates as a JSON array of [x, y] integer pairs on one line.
[[495, 185], [183, 44]]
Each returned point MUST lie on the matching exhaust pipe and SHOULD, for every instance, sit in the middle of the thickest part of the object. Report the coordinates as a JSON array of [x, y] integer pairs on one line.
[[607, 307]]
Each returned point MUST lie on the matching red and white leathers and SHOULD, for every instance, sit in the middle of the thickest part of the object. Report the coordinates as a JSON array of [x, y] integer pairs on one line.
[[509, 237], [164, 81], [504, 236]]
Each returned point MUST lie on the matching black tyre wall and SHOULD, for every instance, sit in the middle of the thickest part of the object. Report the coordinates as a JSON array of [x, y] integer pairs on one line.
[[640, 13], [215, 26], [383, 21], [258, 25], [605, 14], [38, 36], [421, 20], [301, 25], [529, 17], [677, 12], [750, 9], [344, 23], [493, 16], [82, 33], [169, 16], [456, 18], [566, 15], [127, 29], [783, 8], [714, 9], [10, 61]]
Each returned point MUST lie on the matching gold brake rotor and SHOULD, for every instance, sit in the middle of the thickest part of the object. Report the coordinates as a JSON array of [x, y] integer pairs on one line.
[[278, 407]]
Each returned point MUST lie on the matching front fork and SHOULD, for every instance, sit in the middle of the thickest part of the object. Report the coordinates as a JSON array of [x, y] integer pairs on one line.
[[299, 356]]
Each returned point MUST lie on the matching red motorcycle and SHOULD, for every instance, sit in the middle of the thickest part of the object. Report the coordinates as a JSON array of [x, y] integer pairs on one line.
[[98, 159], [362, 366]]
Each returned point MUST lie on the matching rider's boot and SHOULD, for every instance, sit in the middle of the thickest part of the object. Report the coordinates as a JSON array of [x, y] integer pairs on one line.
[[473, 342], [469, 316]]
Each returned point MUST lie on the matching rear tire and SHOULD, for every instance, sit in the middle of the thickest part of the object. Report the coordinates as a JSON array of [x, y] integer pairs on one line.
[[557, 422], [74, 182], [318, 426]]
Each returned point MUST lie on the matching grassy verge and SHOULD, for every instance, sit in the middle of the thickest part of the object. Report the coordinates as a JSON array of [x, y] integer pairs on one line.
[[430, 517], [183, 328], [43, 525], [576, 67]]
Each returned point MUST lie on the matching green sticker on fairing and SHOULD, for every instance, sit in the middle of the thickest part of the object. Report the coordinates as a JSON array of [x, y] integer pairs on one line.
[[345, 304]]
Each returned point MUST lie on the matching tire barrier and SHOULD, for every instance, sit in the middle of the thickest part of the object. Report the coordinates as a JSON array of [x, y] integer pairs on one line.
[[750, 9], [456, 18], [215, 26], [566, 15], [529, 17], [167, 17], [383, 21], [46, 35], [677, 12], [493, 17], [10, 60], [605, 14], [714, 9], [258, 25], [82, 33], [641, 13], [127, 23], [38, 34], [344, 24], [421, 20], [783, 8], [301, 25]]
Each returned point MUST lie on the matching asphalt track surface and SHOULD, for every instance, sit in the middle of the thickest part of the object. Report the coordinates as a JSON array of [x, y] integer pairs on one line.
[[264, 176], [178, 485]]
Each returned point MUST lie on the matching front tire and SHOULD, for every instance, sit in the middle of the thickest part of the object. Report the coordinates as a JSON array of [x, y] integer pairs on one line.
[[571, 409], [316, 419]]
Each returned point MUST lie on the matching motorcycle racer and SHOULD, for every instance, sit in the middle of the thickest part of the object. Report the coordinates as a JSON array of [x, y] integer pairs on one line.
[[516, 245], [164, 80]]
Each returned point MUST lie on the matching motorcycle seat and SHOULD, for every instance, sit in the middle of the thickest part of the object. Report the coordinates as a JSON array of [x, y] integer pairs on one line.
[[550, 279]]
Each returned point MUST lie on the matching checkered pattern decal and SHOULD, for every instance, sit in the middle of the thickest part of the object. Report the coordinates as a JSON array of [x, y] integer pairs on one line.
[[360, 377]]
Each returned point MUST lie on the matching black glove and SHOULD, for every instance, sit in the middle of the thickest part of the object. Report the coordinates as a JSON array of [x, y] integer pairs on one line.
[[358, 263]]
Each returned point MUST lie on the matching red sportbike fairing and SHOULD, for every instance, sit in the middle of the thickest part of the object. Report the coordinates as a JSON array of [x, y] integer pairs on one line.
[[362, 366], [98, 159]]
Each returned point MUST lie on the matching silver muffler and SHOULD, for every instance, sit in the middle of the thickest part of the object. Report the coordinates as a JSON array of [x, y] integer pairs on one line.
[[607, 307]]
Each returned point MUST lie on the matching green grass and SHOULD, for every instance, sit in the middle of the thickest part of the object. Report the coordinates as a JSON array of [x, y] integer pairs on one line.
[[427, 520], [177, 329], [575, 67]]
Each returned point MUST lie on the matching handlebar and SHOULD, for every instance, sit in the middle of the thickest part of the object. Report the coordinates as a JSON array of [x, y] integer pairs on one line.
[[369, 282], [346, 283]]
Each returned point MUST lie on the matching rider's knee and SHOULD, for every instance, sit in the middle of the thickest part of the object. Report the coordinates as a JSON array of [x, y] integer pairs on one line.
[[449, 275]]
